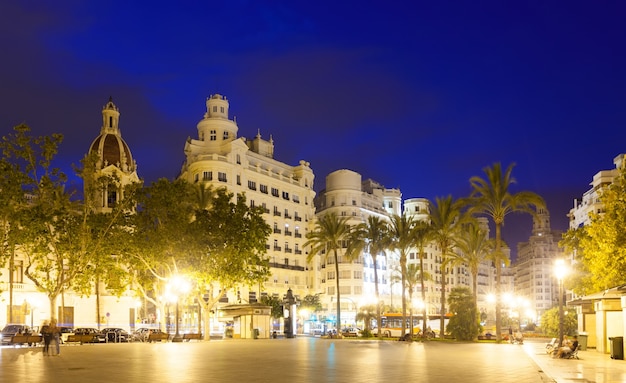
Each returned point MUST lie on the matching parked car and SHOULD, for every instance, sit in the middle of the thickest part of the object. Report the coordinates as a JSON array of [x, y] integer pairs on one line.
[[115, 334], [97, 336], [65, 333], [142, 334], [10, 330], [350, 332]]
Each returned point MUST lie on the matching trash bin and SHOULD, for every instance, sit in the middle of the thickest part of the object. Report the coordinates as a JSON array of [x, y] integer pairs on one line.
[[617, 347], [255, 333], [582, 342]]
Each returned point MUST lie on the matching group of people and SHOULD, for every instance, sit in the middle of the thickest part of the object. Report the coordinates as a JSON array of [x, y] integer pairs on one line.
[[49, 332]]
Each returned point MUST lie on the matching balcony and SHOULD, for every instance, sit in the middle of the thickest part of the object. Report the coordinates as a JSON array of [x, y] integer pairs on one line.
[[277, 214], [298, 235], [297, 218], [277, 231], [277, 248], [288, 250], [287, 232]]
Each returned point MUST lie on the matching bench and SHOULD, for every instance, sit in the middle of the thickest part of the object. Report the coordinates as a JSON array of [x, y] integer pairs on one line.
[[158, 336], [22, 338], [188, 337], [81, 338]]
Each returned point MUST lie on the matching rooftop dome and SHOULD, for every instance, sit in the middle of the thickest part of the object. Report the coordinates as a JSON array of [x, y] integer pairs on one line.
[[109, 145]]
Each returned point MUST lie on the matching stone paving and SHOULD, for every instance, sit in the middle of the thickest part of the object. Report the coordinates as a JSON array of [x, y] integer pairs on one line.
[[289, 360]]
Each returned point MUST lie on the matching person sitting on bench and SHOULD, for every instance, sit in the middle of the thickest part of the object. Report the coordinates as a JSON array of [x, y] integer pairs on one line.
[[567, 348]]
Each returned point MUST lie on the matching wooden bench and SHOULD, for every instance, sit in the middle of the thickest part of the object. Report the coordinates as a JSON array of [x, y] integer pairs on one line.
[[81, 338], [22, 338], [158, 337], [188, 337]]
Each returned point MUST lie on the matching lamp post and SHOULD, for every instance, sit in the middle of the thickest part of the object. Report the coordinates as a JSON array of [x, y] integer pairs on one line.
[[559, 271], [177, 287]]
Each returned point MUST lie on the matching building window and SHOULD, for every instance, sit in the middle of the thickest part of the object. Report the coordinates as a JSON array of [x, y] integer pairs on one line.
[[286, 196], [263, 189], [295, 198], [213, 135], [207, 176], [239, 159], [221, 176], [196, 177], [251, 185], [111, 198], [221, 109], [225, 135], [214, 108], [238, 179], [252, 203], [275, 192]]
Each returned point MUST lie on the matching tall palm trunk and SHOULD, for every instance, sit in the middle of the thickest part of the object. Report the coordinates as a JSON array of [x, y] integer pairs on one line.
[[403, 268], [498, 284], [374, 258], [338, 323], [443, 296], [424, 309]]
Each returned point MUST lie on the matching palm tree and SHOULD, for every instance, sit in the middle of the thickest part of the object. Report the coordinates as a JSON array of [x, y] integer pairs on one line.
[[491, 197], [328, 237], [373, 237], [414, 275], [446, 219], [402, 239], [474, 247], [423, 234]]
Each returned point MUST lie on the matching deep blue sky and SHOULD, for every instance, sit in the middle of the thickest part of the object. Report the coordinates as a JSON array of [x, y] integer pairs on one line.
[[418, 95]]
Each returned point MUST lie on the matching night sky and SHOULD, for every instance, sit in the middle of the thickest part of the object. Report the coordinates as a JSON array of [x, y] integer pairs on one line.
[[418, 95]]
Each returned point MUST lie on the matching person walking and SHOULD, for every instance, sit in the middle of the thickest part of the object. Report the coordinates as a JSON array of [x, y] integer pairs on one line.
[[55, 332], [47, 337]]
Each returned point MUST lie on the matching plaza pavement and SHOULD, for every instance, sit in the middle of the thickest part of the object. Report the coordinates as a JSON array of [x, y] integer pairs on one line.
[[305, 359]]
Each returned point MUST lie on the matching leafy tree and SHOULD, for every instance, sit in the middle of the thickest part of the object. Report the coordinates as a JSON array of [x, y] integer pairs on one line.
[[446, 219], [600, 246], [161, 237], [327, 239], [373, 237], [13, 201], [275, 303], [463, 324], [311, 303], [491, 197], [550, 322], [231, 250], [402, 238]]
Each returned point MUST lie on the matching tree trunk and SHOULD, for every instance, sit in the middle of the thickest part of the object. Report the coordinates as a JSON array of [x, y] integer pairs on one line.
[[377, 296], [403, 270], [443, 296], [498, 292], [338, 322], [424, 309]]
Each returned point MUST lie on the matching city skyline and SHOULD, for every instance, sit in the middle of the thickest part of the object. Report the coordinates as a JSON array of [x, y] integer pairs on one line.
[[416, 96]]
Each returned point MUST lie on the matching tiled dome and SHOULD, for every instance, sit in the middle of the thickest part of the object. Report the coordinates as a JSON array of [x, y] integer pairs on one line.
[[110, 146]]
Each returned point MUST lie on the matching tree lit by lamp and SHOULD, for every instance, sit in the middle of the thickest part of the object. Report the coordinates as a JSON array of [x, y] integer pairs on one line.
[[560, 270]]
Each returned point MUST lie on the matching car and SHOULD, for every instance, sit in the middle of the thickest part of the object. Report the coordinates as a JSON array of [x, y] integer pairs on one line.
[[97, 336], [115, 334], [65, 333], [142, 334], [350, 332], [10, 330]]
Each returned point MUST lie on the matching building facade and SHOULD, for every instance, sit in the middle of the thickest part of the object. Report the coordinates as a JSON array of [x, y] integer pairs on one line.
[[218, 157], [535, 283]]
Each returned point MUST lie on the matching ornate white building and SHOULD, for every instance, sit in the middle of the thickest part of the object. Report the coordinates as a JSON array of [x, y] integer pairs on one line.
[[219, 158]]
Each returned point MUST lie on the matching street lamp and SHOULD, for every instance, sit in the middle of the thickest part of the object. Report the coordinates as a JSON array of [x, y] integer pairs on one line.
[[175, 288], [560, 269]]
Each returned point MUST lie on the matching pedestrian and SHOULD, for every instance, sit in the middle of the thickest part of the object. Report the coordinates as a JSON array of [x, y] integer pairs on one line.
[[510, 334], [55, 332], [47, 337]]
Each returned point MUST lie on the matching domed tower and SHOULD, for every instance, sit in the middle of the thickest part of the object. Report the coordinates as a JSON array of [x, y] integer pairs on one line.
[[114, 164]]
